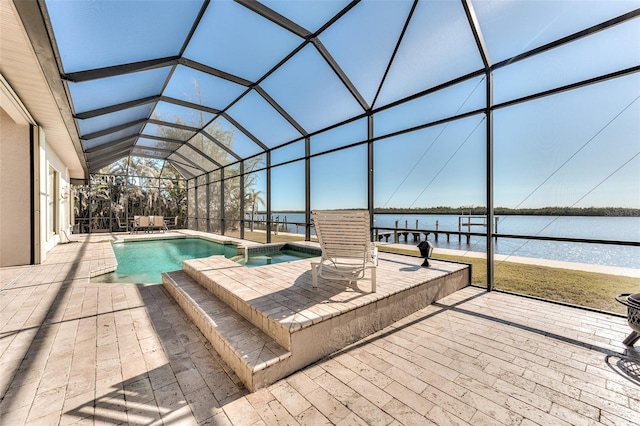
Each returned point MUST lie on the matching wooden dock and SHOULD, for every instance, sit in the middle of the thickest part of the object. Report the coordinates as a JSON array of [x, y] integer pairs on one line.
[[464, 221], [403, 235]]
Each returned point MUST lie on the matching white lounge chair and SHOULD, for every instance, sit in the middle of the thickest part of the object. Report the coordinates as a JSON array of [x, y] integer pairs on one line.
[[157, 222], [142, 223], [347, 250]]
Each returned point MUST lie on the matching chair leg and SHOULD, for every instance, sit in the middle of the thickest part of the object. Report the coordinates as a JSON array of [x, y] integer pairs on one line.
[[314, 274], [631, 338], [373, 280]]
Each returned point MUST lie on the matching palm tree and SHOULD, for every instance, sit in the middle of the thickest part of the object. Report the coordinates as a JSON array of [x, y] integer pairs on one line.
[[253, 198]]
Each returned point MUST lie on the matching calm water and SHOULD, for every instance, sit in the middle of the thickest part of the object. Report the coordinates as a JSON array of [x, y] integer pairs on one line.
[[605, 228], [144, 261], [279, 257]]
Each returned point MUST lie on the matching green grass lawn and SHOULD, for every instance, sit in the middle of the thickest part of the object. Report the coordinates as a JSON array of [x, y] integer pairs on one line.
[[582, 288]]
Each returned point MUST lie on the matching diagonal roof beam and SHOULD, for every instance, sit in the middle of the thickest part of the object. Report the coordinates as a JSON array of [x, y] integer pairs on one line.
[[104, 160], [192, 164], [180, 169], [276, 18], [477, 32], [112, 129], [153, 148], [145, 152], [187, 104], [215, 72], [203, 155], [100, 156], [395, 50], [116, 70], [194, 27], [281, 110], [149, 155], [221, 145], [118, 107], [185, 44], [112, 145], [340, 73], [571, 86], [162, 139], [570, 38], [338, 15], [245, 131], [170, 124]]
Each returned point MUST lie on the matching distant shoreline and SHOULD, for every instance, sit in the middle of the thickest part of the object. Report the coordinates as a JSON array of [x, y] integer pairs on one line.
[[544, 211]]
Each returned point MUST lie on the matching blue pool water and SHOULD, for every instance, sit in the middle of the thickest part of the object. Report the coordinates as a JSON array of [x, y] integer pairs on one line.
[[277, 257], [144, 261]]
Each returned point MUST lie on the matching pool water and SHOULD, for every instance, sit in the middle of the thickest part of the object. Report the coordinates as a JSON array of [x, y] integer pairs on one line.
[[277, 257], [144, 261]]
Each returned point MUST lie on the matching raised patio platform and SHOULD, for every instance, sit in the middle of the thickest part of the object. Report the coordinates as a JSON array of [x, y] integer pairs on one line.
[[268, 322]]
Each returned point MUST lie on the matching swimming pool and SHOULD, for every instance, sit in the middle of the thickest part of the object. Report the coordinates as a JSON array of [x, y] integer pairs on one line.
[[145, 261], [283, 255], [268, 254]]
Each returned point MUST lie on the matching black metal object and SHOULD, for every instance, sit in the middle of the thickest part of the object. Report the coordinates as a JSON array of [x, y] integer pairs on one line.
[[426, 249], [632, 302]]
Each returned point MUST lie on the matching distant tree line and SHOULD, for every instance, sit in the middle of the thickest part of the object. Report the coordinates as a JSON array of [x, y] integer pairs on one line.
[[543, 211]]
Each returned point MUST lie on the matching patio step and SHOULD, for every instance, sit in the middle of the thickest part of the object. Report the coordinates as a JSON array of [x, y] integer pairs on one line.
[[246, 301], [253, 356], [301, 323]]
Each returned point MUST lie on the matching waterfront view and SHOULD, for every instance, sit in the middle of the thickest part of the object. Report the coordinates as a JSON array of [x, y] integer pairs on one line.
[[583, 227]]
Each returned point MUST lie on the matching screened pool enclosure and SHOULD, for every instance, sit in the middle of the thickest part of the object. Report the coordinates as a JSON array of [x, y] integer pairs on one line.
[[242, 117]]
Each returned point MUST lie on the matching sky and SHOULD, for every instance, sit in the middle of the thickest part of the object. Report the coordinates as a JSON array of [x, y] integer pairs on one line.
[[577, 148]]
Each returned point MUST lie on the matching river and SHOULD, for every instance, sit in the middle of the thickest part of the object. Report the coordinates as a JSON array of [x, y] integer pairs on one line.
[[588, 227]]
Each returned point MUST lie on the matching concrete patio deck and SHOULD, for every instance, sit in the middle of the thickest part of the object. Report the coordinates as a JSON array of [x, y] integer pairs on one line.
[[269, 322], [74, 352]]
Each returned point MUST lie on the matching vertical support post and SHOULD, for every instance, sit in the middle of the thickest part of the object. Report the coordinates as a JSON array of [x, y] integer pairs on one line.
[[307, 189], [186, 219], [195, 194], [268, 155], [208, 202], [489, 171], [242, 197], [222, 191], [486, 60], [370, 201]]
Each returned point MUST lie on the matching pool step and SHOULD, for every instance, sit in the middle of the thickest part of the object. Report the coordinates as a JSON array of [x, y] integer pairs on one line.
[[255, 357]]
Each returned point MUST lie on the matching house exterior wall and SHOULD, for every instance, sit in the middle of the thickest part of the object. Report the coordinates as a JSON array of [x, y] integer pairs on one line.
[[25, 219], [15, 192]]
